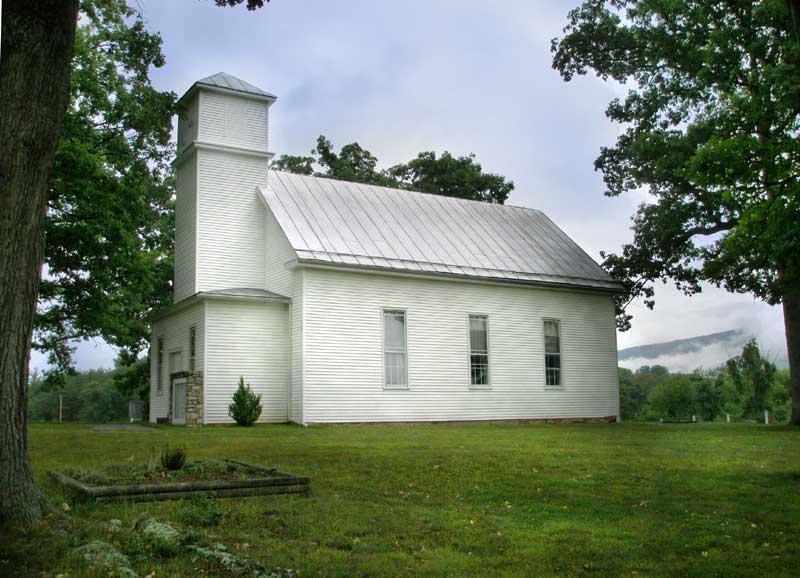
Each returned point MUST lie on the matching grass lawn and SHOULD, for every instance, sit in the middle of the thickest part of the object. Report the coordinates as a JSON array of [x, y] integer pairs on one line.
[[457, 500]]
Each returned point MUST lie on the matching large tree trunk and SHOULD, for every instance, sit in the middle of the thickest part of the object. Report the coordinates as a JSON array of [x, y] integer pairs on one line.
[[37, 40], [791, 319]]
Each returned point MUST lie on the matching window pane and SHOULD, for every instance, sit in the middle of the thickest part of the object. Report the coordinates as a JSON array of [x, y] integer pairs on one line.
[[160, 366], [552, 345], [478, 334], [479, 369], [552, 341], [395, 368], [552, 361], [553, 376], [394, 330], [192, 339]]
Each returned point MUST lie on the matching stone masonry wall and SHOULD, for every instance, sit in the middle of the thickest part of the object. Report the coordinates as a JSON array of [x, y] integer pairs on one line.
[[194, 395]]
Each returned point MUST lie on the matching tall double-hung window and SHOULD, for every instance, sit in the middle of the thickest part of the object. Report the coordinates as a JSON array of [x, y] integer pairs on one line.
[[479, 350], [192, 346], [552, 353], [160, 366], [395, 354]]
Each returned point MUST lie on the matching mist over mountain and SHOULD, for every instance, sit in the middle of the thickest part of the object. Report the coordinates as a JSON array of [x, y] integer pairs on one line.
[[703, 351]]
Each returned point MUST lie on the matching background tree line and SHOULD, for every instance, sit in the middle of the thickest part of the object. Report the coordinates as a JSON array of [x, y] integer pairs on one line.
[[88, 396], [743, 387]]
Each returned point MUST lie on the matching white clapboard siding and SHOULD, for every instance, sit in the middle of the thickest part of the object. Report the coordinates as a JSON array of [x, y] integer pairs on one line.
[[187, 124], [249, 339], [284, 278], [231, 237], [185, 227], [280, 257], [229, 119], [174, 329], [297, 325], [342, 346]]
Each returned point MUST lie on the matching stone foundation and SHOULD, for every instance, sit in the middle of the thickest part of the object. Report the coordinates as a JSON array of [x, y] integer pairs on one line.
[[603, 419], [194, 396]]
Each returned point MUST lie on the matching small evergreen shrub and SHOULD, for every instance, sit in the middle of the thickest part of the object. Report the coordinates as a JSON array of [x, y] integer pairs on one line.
[[172, 458], [246, 406]]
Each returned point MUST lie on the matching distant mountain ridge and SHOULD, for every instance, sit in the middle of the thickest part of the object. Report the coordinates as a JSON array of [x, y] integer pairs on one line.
[[732, 338]]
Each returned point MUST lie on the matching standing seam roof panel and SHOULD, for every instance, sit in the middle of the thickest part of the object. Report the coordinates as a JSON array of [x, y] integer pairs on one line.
[[423, 230], [443, 230], [470, 246], [394, 225], [371, 235]]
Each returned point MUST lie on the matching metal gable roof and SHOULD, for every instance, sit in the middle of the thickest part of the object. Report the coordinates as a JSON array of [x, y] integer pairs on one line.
[[352, 224], [225, 81]]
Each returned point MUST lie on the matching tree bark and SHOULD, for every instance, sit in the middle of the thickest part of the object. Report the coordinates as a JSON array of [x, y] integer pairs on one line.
[[794, 12], [37, 41], [791, 320]]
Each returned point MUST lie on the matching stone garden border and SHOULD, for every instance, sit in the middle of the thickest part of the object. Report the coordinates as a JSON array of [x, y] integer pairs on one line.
[[265, 481]]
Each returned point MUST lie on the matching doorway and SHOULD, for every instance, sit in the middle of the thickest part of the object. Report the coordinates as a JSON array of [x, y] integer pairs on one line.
[[179, 401]]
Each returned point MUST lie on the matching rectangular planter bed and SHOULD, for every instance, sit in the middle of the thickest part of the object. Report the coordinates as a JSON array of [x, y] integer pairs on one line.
[[263, 481]]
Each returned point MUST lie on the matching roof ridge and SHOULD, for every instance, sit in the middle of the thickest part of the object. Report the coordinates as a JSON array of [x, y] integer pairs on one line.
[[411, 191], [228, 81]]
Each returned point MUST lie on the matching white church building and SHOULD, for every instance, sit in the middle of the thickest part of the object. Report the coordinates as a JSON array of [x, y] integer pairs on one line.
[[345, 302]]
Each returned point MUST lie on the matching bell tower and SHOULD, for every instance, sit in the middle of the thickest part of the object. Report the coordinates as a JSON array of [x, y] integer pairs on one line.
[[223, 156]]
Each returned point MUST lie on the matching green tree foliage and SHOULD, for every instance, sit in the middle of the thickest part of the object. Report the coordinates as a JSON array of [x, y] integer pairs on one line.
[[711, 120], [452, 177], [294, 164], [673, 398], [246, 407], [780, 396], [446, 175], [131, 377], [753, 377], [635, 388], [708, 396], [109, 222], [629, 395], [86, 397], [251, 4]]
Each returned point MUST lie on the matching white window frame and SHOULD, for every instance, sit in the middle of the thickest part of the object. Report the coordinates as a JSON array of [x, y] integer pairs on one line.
[[160, 365], [192, 356], [558, 323], [179, 351], [385, 310], [488, 384]]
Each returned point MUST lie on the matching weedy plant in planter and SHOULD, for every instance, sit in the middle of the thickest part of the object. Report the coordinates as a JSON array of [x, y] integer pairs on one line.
[[246, 406], [172, 459]]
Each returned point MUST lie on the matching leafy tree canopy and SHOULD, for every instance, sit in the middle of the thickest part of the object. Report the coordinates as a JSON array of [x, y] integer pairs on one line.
[[711, 125], [109, 223], [447, 175], [753, 376]]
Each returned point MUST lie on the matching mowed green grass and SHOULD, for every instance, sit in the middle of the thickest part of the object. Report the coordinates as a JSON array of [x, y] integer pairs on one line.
[[460, 500]]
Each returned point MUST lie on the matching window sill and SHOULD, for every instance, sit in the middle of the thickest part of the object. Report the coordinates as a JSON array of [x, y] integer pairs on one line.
[[395, 387], [554, 388], [480, 387]]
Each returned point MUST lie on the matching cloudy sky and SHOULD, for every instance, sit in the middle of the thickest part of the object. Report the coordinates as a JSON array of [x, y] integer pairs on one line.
[[463, 76]]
